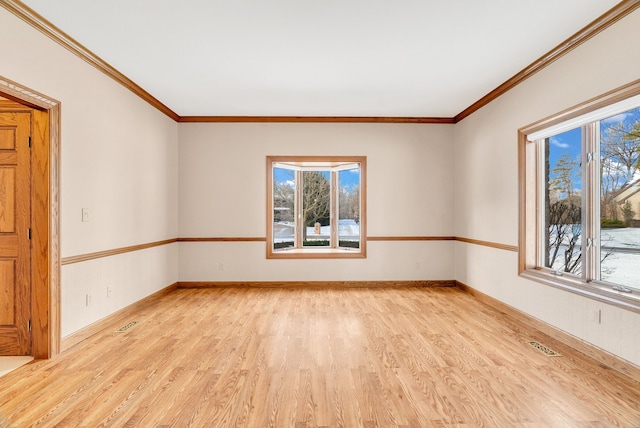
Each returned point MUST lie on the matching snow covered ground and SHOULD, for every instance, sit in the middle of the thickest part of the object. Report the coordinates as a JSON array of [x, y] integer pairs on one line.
[[347, 229], [622, 266], [622, 238], [622, 262]]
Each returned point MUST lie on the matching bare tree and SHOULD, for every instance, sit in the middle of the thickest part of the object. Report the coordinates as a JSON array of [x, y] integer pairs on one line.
[[316, 199], [349, 202], [633, 135], [563, 213], [620, 159], [563, 235], [283, 201], [620, 143]]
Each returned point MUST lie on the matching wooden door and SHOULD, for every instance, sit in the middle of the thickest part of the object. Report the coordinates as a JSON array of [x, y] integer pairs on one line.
[[15, 223]]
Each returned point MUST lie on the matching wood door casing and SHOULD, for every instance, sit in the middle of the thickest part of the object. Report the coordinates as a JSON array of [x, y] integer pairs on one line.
[[45, 211], [15, 224]]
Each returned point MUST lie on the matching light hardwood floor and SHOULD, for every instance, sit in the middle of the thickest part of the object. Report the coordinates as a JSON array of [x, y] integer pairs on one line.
[[294, 357]]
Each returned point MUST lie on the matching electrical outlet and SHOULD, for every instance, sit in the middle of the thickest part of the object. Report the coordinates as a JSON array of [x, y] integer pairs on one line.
[[88, 300], [109, 292], [596, 316], [220, 266], [85, 214]]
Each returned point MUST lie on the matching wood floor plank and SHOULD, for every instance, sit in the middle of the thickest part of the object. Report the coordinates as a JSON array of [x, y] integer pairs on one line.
[[309, 357]]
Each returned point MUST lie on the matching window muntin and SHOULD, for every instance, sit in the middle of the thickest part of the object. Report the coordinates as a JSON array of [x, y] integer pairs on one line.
[[315, 207], [579, 178]]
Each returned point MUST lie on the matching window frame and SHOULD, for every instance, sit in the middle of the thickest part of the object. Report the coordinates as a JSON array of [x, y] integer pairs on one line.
[[530, 203], [300, 252]]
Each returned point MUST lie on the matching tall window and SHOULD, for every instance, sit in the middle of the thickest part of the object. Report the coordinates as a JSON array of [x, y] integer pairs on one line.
[[316, 207], [580, 181]]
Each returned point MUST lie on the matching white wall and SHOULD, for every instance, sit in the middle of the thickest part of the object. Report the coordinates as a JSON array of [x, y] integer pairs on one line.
[[130, 277], [119, 160], [223, 194], [486, 194]]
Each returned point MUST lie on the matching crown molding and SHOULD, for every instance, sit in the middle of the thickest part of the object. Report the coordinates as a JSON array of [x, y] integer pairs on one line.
[[37, 21], [609, 18], [315, 119], [41, 24]]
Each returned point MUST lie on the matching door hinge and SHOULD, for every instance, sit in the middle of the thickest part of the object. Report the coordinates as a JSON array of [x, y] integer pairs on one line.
[[29, 141], [29, 233], [29, 325]]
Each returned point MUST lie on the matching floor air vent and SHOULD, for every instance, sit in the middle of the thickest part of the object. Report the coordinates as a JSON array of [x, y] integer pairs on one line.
[[126, 327], [547, 351]]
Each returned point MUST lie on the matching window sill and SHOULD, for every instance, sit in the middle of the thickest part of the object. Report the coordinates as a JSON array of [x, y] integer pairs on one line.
[[592, 290], [317, 253]]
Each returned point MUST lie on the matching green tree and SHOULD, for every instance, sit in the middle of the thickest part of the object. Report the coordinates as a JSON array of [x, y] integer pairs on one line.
[[627, 213], [563, 174]]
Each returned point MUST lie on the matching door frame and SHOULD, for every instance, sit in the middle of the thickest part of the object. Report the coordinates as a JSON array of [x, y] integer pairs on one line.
[[45, 216]]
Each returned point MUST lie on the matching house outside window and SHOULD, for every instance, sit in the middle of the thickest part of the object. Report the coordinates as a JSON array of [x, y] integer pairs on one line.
[[316, 207], [580, 201]]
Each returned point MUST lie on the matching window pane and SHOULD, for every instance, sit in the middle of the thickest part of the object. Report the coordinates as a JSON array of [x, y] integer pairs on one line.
[[316, 208], [563, 202], [620, 199], [349, 208], [283, 208]]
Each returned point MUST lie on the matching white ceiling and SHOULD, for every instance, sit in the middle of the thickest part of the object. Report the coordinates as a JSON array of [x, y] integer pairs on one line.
[[424, 58]]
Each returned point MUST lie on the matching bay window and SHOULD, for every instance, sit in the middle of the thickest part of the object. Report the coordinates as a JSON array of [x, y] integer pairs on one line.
[[316, 207]]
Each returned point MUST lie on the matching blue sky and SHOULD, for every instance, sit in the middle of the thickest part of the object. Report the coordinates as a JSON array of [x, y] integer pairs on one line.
[[347, 178], [281, 175], [571, 141]]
